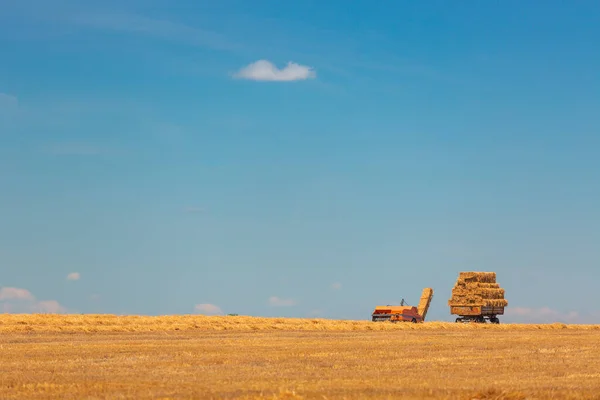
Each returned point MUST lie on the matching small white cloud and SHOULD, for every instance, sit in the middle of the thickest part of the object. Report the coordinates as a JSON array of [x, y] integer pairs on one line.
[[336, 286], [209, 309], [263, 70], [279, 302], [12, 293], [74, 276]]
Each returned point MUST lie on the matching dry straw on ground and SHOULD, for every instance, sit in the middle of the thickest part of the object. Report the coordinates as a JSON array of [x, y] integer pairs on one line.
[[90, 323], [196, 357]]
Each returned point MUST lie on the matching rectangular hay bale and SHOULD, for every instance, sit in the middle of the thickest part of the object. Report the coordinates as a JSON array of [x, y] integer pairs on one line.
[[477, 289], [473, 276]]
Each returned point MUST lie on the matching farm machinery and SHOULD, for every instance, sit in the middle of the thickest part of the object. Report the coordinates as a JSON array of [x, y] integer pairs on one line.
[[404, 312]]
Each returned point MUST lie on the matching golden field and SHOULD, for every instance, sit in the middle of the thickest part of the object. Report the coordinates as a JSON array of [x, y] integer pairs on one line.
[[197, 357]]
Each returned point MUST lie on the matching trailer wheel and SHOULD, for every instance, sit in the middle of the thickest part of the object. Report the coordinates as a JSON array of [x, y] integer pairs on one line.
[[458, 320], [494, 320], [414, 321]]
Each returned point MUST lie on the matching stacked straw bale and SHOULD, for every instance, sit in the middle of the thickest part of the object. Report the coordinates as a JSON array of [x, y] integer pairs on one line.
[[477, 289]]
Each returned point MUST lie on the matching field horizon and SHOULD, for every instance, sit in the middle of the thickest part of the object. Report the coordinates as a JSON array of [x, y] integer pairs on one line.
[[141, 323]]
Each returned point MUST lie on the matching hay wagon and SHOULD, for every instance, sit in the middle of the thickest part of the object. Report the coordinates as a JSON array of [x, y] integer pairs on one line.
[[477, 313], [477, 297]]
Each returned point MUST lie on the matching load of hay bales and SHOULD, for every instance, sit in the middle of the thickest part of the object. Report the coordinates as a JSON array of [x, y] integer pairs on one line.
[[477, 289]]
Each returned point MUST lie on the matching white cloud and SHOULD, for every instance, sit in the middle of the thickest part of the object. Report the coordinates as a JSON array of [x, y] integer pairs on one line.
[[279, 302], [17, 300], [12, 293], [336, 286], [546, 315], [209, 309], [263, 70], [74, 276]]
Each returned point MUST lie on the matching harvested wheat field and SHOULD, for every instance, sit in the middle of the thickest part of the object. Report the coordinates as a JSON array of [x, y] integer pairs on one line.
[[103, 357]]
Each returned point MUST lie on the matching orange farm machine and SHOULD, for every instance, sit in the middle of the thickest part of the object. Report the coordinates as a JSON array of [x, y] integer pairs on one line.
[[404, 313]]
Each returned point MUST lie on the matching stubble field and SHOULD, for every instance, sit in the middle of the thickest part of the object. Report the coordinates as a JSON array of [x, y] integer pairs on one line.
[[103, 356]]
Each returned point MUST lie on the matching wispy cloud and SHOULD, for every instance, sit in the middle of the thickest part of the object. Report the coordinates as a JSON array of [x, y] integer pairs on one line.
[[12, 293], [548, 315], [336, 286], [264, 70], [136, 24], [208, 309], [18, 300], [279, 302], [74, 276], [335, 52]]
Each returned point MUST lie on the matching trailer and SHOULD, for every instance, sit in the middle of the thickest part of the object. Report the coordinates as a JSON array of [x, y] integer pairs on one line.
[[477, 313]]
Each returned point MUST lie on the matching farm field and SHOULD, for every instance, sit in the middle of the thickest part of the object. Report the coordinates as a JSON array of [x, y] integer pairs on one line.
[[103, 356]]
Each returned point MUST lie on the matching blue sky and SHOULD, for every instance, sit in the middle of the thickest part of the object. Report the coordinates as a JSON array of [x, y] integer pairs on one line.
[[167, 156]]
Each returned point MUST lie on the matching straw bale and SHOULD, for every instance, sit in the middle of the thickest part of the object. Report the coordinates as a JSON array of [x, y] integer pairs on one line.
[[467, 294], [490, 293], [462, 283], [495, 303], [466, 302], [471, 276], [477, 289], [483, 292], [474, 303], [488, 285]]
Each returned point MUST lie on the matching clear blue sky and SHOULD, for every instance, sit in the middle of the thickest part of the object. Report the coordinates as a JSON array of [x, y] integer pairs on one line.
[[411, 141]]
